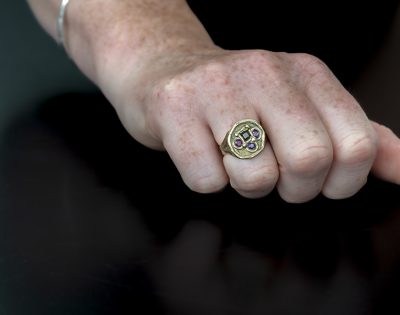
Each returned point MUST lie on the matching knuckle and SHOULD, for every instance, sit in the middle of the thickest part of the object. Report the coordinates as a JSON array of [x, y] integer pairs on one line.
[[313, 68], [259, 57], [264, 178], [311, 160], [357, 149], [207, 183], [270, 69], [214, 68], [264, 61], [170, 90], [260, 60], [339, 192], [171, 100], [215, 75], [310, 62], [295, 199]]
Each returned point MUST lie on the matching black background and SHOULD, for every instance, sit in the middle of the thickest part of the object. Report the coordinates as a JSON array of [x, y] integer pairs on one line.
[[91, 222]]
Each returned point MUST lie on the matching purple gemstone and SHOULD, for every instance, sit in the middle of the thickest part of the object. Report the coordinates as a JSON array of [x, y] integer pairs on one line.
[[251, 146], [238, 143], [256, 133]]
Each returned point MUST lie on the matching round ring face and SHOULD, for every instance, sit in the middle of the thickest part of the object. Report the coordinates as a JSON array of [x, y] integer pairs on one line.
[[245, 140]]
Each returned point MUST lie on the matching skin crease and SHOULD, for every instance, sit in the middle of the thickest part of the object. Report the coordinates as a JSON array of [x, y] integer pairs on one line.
[[170, 84]]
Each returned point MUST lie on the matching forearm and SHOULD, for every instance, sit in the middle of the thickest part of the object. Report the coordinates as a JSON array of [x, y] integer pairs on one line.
[[101, 33]]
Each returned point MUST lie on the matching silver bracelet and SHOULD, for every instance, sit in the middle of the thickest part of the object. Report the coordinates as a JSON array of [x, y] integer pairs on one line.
[[60, 22]]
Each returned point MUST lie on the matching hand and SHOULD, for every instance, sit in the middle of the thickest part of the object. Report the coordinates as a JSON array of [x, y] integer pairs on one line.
[[174, 89], [319, 138]]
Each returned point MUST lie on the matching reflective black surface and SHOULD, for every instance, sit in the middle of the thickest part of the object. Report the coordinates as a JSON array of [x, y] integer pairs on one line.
[[91, 222], [94, 223]]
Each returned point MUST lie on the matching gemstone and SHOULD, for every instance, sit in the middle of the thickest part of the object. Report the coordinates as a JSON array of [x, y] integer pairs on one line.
[[238, 143], [256, 133], [251, 146], [245, 135]]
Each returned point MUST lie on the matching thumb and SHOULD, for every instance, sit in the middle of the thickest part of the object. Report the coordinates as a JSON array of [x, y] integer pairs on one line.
[[387, 162]]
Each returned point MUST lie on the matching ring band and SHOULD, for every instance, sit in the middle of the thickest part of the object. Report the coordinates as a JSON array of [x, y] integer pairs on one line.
[[245, 140]]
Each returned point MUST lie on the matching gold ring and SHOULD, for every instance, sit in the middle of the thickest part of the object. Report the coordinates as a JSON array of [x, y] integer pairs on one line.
[[245, 140]]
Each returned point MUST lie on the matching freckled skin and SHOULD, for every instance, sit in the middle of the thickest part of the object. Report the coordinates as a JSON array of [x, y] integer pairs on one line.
[[175, 90]]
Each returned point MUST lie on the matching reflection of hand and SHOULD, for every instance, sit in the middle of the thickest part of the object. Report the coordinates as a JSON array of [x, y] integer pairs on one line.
[[196, 275], [319, 138]]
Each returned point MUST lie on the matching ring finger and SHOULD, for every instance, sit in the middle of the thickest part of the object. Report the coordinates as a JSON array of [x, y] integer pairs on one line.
[[254, 177]]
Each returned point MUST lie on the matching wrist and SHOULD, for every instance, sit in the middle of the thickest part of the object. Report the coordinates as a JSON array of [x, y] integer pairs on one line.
[[106, 37]]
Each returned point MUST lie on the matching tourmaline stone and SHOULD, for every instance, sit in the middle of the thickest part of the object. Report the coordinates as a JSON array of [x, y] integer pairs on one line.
[[256, 133], [238, 143], [251, 146]]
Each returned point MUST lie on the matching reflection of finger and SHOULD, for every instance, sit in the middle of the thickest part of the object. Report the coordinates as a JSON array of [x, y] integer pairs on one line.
[[353, 138], [301, 144], [254, 177], [387, 162], [187, 274], [197, 156], [194, 250]]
